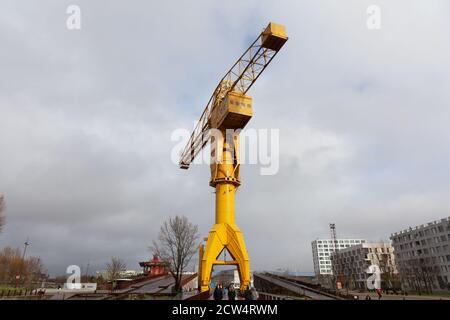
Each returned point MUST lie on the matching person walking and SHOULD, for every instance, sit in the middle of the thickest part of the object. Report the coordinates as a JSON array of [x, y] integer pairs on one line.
[[218, 295], [378, 290], [254, 293], [247, 294], [231, 292]]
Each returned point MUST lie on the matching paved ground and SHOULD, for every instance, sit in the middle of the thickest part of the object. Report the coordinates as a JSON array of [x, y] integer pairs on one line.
[[301, 290], [154, 285], [161, 285], [374, 296]]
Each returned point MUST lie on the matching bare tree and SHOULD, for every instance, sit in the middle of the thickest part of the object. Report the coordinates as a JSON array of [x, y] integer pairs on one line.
[[177, 243], [2, 207], [419, 274], [114, 268], [12, 264]]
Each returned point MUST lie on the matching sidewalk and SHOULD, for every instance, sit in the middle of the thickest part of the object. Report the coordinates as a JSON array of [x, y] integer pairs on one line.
[[374, 296]]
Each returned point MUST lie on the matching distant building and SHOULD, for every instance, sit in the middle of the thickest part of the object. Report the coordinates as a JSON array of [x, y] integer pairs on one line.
[[129, 273], [154, 267], [350, 265], [101, 274], [227, 277], [423, 256], [123, 274], [322, 249]]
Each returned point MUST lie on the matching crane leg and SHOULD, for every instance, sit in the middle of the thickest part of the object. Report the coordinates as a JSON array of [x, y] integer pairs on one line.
[[225, 236]]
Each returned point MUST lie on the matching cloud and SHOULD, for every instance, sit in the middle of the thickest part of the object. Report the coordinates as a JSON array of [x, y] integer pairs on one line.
[[87, 116]]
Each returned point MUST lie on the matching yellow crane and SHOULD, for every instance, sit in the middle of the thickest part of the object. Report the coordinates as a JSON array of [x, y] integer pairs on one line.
[[227, 112]]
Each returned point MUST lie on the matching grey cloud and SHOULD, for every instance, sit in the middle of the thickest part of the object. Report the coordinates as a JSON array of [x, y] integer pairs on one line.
[[86, 119]]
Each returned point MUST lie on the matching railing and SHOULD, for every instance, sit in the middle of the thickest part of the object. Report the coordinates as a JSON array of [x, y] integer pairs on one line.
[[271, 296], [17, 292]]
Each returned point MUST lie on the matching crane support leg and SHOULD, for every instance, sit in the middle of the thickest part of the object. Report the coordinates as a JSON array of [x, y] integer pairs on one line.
[[225, 236]]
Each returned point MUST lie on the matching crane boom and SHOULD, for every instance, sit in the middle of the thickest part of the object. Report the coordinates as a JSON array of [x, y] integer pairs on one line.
[[241, 76]]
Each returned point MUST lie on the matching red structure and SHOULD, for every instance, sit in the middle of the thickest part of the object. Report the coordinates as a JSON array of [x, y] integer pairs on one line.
[[154, 267]]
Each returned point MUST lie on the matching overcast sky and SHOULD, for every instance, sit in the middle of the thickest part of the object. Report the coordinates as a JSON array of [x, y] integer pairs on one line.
[[86, 118]]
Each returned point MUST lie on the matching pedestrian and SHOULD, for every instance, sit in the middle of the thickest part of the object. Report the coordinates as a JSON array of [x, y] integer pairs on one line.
[[378, 291], [218, 295], [231, 292], [248, 294], [255, 294]]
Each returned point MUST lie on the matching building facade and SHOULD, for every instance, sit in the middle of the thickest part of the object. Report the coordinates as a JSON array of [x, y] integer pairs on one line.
[[322, 250], [154, 267], [351, 265], [423, 256]]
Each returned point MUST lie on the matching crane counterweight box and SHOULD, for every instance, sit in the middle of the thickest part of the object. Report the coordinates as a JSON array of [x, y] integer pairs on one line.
[[274, 36], [234, 112]]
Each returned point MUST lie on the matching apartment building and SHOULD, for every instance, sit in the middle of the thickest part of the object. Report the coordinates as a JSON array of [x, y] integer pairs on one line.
[[423, 256], [351, 265], [322, 249]]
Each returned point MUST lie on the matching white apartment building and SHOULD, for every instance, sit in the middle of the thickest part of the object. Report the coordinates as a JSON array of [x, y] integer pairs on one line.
[[352, 264], [322, 250], [423, 256]]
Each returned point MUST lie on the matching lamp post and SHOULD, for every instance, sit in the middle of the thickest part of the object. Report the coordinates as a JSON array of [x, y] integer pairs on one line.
[[19, 275]]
